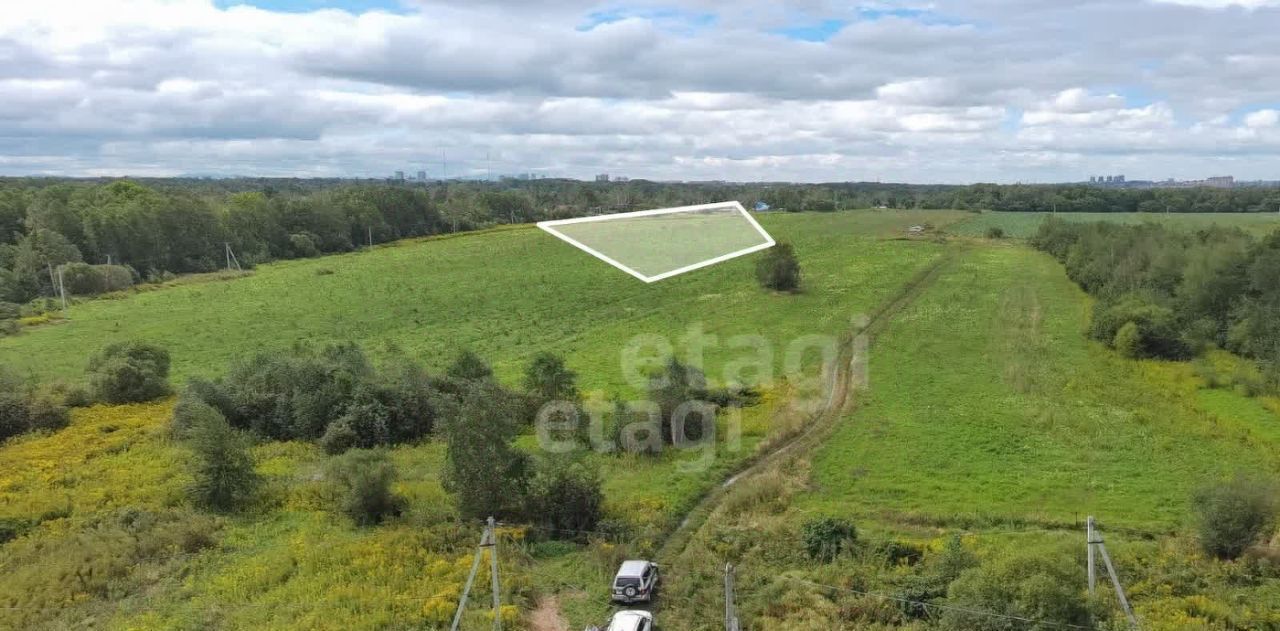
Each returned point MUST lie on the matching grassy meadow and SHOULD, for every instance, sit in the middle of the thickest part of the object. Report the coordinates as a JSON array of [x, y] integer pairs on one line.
[[990, 414], [106, 533], [1021, 225]]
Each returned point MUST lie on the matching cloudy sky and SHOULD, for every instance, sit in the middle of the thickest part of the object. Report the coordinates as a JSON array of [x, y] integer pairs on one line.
[[810, 90]]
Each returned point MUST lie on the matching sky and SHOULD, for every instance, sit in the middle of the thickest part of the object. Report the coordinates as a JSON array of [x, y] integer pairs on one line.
[[949, 91]]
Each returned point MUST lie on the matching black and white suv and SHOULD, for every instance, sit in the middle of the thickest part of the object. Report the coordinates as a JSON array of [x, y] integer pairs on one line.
[[636, 582]]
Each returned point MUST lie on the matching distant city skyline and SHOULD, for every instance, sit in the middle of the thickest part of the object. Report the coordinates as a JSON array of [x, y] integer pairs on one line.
[[952, 91]]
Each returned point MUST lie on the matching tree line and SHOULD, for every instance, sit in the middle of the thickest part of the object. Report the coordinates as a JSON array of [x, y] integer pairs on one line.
[[1174, 294], [149, 229]]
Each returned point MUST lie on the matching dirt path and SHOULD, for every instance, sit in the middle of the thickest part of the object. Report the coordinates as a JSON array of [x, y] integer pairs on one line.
[[823, 422], [546, 616]]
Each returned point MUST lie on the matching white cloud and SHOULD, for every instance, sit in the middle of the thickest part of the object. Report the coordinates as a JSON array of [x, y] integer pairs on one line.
[[1262, 118], [964, 90]]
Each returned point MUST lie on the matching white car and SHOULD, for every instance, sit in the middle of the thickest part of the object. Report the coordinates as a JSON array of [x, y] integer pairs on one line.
[[631, 620], [636, 582]]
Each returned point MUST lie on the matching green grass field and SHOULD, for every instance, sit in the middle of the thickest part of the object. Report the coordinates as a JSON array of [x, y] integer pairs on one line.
[[506, 294], [987, 405], [988, 413], [1023, 225]]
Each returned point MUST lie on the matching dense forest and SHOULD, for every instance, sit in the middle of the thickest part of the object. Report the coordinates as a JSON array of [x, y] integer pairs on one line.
[[104, 234], [1173, 294]]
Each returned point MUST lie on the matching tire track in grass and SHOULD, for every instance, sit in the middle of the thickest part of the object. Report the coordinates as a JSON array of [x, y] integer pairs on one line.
[[820, 425], [822, 422]]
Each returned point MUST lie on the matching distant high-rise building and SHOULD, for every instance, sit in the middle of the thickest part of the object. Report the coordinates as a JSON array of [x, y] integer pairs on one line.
[[399, 176], [422, 176], [1222, 181], [603, 177]]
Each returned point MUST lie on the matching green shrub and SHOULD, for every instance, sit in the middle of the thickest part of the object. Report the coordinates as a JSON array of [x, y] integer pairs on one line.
[[24, 409], [223, 478], [995, 232], [468, 366], [1155, 327], [779, 269], [565, 497], [129, 372], [1028, 584], [339, 437], [190, 413], [303, 245], [10, 310], [363, 479], [825, 538], [1232, 516], [1128, 341], [87, 280]]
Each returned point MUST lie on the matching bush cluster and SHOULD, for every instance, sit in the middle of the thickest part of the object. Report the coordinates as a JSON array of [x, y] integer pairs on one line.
[[129, 372], [26, 409], [332, 394]]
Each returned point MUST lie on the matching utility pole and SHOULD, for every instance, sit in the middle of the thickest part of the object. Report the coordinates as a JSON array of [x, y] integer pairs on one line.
[[493, 573], [488, 539], [1094, 539], [62, 289], [730, 608], [232, 261], [370, 229]]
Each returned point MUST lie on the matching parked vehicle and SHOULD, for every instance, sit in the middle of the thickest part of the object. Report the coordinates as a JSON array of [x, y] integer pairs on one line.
[[636, 582], [631, 620]]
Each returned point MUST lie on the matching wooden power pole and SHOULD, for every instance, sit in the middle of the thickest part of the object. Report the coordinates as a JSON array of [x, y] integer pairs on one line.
[[1093, 539], [488, 539], [730, 607]]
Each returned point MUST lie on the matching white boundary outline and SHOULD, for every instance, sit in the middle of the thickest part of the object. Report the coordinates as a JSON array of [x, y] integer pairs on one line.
[[549, 226]]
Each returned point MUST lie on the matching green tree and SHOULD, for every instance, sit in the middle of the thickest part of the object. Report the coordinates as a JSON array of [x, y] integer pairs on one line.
[[547, 379], [223, 478], [483, 468], [779, 269]]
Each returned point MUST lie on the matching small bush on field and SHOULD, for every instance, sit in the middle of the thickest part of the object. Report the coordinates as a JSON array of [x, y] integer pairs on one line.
[[825, 538], [1035, 584], [363, 479], [995, 232], [565, 497], [779, 269], [190, 413], [339, 437], [24, 409], [1234, 515], [129, 372]]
